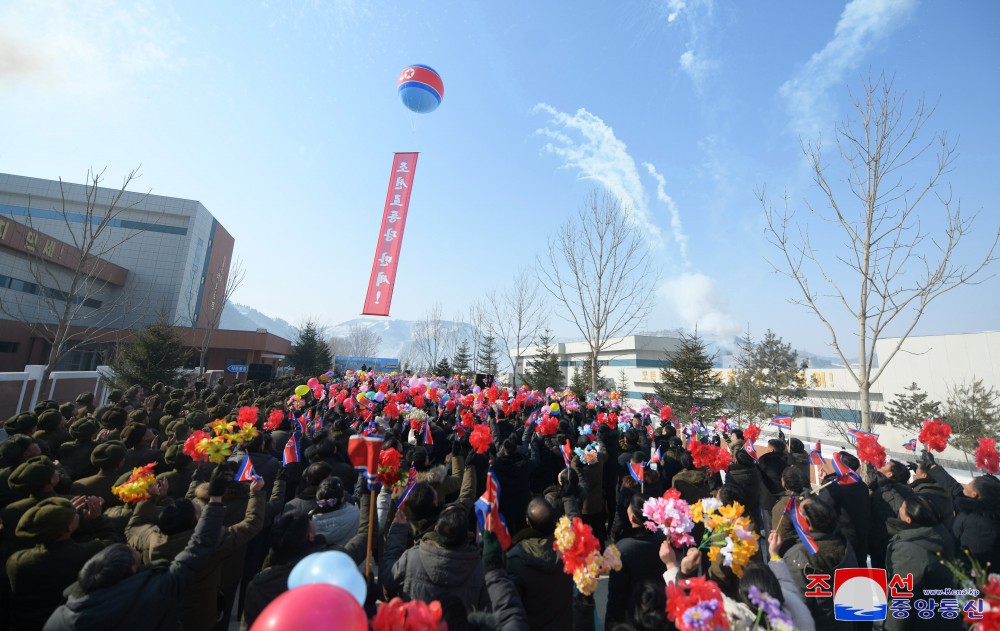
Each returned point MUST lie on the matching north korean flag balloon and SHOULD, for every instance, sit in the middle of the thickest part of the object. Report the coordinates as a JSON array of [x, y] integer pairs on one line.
[[420, 88]]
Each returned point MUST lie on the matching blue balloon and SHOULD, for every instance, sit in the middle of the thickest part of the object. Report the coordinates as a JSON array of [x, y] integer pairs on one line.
[[334, 568], [420, 88]]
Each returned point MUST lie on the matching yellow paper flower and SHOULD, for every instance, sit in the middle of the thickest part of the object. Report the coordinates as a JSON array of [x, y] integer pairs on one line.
[[135, 489]]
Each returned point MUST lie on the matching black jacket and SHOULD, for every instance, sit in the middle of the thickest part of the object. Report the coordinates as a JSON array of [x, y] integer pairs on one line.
[[150, 598], [545, 589], [772, 465], [977, 523], [922, 551], [854, 513], [640, 553], [513, 475], [937, 495]]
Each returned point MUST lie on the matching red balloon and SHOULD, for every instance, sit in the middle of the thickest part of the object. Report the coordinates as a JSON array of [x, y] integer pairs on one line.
[[312, 606]]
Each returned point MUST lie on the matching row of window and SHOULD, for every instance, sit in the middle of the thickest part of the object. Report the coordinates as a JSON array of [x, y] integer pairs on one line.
[[28, 287], [128, 224], [8, 347]]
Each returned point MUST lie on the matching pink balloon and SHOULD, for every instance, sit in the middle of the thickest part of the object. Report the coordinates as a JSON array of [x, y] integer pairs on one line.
[[312, 383], [414, 382], [312, 606]]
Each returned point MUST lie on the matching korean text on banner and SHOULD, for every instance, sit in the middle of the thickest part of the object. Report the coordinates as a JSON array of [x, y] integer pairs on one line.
[[390, 236]]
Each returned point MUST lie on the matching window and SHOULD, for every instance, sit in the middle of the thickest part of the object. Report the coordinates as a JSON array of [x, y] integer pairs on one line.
[[6, 282], [8, 347], [800, 410]]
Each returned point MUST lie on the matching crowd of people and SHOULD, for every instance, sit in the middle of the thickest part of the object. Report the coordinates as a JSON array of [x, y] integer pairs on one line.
[[203, 545]]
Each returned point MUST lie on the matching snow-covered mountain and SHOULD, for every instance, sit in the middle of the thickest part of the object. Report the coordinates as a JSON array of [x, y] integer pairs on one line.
[[397, 334], [237, 317]]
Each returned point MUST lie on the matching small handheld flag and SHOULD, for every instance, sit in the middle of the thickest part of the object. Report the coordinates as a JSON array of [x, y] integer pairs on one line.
[[291, 452], [845, 475], [487, 509], [782, 421], [910, 445], [816, 457], [303, 422], [750, 449], [800, 525], [411, 481], [363, 452], [428, 434], [638, 472], [857, 432], [567, 453], [246, 473], [654, 457]]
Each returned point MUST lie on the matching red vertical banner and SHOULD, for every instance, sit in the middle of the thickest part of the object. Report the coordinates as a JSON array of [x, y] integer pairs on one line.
[[390, 236]]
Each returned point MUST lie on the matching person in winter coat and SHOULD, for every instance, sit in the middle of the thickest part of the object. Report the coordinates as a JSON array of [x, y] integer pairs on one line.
[[772, 464], [169, 535], [592, 479], [114, 592], [977, 512], [834, 552], [74, 455], [852, 505], [639, 549], [792, 483], [38, 575], [109, 458], [923, 484], [293, 537], [546, 591], [692, 482], [743, 473], [334, 518], [513, 471], [312, 477], [442, 562], [920, 550], [888, 490]]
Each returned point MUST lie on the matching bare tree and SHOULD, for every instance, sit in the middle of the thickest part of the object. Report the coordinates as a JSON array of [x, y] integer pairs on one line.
[[410, 358], [338, 346], [516, 316], [430, 335], [478, 320], [890, 266], [598, 267], [71, 300], [221, 288], [363, 341]]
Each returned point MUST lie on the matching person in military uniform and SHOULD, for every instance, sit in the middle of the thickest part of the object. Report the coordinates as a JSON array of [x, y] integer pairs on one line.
[[109, 458], [52, 431], [39, 575], [13, 452], [74, 456]]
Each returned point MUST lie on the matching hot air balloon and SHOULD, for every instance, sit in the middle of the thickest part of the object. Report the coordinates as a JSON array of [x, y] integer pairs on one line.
[[420, 88]]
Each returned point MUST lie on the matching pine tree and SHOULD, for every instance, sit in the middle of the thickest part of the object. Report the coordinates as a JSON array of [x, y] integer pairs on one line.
[[310, 352], [443, 368], [744, 400], [973, 412], [779, 373], [911, 408], [544, 371], [154, 354], [687, 380], [462, 363], [585, 377], [489, 355], [623, 382]]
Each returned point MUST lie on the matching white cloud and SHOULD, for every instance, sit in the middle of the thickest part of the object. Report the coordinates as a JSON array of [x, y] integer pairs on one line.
[[697, 67], [588, 144], [88, 49], [862, 26], [695, 301], [676, 227], [674, 7]]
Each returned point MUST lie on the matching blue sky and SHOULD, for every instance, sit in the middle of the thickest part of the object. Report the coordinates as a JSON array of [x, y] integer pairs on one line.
[[282, 117]]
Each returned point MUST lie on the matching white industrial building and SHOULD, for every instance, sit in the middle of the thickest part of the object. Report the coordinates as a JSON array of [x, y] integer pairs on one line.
[[935, 363]]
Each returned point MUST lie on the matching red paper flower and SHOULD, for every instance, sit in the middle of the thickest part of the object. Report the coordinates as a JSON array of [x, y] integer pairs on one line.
[[584, 543], [418, 401], [193, 447], [548, 426], [935, 434], [415, 615], [695, 604], [987, 456], [449, 406], [492, 394], [751, 433], [870, 451], [481, 438], [416, 424], [388, 467], [274, 419], [715, 458], [247, 416], [391, 410]]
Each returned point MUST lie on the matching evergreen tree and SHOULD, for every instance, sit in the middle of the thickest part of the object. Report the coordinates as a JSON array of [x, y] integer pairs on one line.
[[911, 408], [544, 371], [489, 355], [973, 411], [310, 352], [443, 368], [779, 373], [585, 376], [742, 395], [687, 380], [154, 354], [462, 363], [623, 382]]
